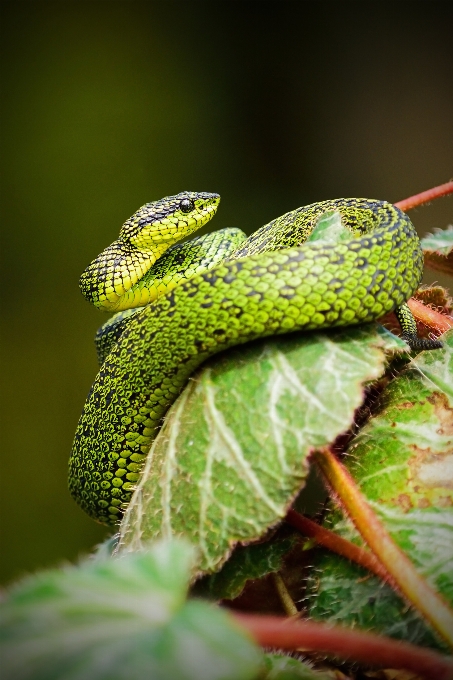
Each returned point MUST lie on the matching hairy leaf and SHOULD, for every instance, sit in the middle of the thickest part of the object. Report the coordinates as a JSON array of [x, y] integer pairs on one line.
[[403, 461], [247, 562], [438, 250], [233, 452], [121, 619], [281, 667]]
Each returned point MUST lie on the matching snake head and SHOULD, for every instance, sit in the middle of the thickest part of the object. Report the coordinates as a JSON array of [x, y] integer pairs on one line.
[[168, 220], [143, 238]]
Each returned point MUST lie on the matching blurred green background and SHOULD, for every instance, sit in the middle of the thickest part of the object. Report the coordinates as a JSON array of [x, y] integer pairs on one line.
[[108, 105]]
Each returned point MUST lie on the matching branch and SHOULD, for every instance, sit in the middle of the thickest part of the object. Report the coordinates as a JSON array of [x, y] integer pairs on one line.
[[285, 598], [410, 583], [341, 546], [430, 317], [275, 631], [425, 196]]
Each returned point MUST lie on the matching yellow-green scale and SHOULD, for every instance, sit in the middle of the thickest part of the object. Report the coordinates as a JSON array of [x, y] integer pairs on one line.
[[310, 286]]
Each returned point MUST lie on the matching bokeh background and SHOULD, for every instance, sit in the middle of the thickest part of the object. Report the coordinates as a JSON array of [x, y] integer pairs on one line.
[[107, 105]]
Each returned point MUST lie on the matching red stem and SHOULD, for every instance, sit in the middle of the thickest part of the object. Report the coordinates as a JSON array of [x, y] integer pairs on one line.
[[337, 544], [430, 317], [425, 196], [414, 587], [283, 633], [272, 631]]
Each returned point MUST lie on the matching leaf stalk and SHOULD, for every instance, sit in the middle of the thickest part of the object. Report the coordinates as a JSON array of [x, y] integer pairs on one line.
[[430, 317], [425, 196], [410, 583], [284, 596], [352, 645], [335, 543]]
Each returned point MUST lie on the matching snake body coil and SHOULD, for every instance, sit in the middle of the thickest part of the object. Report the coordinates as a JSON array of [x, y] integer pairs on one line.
[[272, 283]]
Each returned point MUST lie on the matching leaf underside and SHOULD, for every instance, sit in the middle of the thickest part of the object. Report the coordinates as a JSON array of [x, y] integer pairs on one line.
[[438, 250]]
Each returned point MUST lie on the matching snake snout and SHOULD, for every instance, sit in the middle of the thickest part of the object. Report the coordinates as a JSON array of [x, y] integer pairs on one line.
[[208, 199], [207, 195]]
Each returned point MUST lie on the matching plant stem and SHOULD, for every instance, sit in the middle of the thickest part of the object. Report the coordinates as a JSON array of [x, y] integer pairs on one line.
[[409, 582], [275, 631], [284, 596], [425, 196], [339, 545], [431, 318], [440, 263]]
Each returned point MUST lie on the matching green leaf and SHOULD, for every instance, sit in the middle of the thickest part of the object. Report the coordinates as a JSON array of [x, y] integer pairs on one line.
[[438, 250], [329, 228], [122, 619], [343, 593], [233, 452], [441, 241], [281, 667], [247, 562], [403, 462], [105, 549]]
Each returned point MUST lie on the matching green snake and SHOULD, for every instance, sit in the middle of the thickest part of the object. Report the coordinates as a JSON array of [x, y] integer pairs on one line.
[[214, 292]]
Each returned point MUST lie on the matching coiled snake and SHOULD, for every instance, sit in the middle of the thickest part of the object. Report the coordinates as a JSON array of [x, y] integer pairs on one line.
[[212, 293]]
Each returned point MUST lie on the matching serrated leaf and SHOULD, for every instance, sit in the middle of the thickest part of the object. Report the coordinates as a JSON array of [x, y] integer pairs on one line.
[[281, 667], [342, 593], [437, 297], [247, 562], [105, 549], [441, 241], [122, 619], [403, 462], [438, 249], [233, 451]]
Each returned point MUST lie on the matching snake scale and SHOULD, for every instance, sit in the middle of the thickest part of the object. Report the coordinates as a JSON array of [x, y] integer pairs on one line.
[[215, 292]]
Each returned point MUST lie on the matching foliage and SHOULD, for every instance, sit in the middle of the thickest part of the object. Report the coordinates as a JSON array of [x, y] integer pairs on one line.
[[232, 457], [402, 460], [124, 619], [233, 452], [438, 249]]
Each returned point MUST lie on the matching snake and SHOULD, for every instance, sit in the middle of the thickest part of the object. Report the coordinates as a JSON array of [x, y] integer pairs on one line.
[[177, 302]]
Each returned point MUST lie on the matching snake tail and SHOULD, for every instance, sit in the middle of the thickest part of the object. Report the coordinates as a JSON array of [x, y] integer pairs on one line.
[[409, 331]]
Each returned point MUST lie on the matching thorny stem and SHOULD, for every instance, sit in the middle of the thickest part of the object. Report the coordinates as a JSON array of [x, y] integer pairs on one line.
[[337, 544], [428, 316], [283, 633], [425, 196], [439, 262], [410, 583]]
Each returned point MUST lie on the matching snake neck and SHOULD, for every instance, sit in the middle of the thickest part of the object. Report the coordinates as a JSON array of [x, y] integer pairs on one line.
[[107, 281]]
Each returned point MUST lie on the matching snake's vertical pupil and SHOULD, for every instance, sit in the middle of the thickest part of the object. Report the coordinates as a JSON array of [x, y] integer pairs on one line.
[[186, 205]]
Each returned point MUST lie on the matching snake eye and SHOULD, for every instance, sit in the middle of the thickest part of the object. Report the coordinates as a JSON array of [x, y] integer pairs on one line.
[[186, 205]]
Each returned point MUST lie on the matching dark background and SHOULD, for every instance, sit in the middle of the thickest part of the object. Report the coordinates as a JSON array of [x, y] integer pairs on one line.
[[108, 105]]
